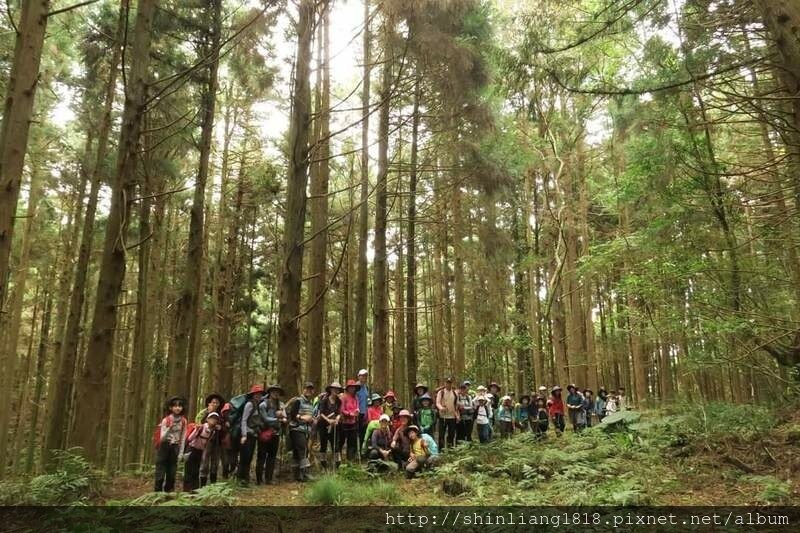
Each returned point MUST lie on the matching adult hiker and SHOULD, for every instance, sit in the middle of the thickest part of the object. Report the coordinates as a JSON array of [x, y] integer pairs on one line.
[[348, 423], [250, 426], [170, 442], [505, 417], [389, 403], [425, 416], [213, 404], [363, 396], [622, 400], [466, 411], [483, 417], [375, 409], [611, 405], [213, 454], [555, 408], [273, 414], [588, 407], [422, 455], [494, 400], [230, 447], [449, 416], [419, 390], [541, 393], [380, 446], [600, 403], [575, 408], [401, 447], [329, 415], [540, 421], [198, 444], [522, 413], [301, 419]]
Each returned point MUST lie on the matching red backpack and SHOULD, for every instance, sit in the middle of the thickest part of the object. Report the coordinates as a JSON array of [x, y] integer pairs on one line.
[[157, 432]]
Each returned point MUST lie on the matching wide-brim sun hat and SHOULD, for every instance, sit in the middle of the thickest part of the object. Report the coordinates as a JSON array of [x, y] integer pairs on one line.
[[334, 385], [384, 418], [273, 388], [421, 386], [409, 429], [557, 388], [352, 383], [404, 412]]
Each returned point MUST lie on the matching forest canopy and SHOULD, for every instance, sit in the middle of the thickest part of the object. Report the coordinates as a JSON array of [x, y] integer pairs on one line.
[[198, 195]]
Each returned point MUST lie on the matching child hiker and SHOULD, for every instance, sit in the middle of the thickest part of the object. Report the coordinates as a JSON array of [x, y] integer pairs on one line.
[[521, 413], [555, 408], [172, 436], [505, 417], [426, 415], [483, 418], [200, 447]]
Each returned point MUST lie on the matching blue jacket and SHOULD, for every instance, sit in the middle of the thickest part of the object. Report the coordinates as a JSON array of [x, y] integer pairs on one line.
[[363, 399]]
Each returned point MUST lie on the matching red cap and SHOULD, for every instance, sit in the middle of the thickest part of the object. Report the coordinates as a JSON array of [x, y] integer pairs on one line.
[[389, 394], [256, 388]]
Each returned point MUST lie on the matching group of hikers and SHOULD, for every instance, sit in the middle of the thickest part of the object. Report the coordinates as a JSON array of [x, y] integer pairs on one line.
[[362, 424]]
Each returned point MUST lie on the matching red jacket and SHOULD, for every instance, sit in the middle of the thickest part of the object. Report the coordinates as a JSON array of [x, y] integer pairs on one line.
[[555, 406], [349, 410], [374, 412]]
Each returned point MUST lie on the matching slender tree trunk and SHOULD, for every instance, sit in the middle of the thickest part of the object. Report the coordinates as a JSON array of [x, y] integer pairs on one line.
[[360, 330], [411, 246], [92, 402], [319, 207], [297, 180], [380, 319], [188, 316], [41, 359], [20, 94]]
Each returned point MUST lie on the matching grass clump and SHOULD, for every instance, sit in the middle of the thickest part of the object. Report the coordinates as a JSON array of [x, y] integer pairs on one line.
[[328, 490]]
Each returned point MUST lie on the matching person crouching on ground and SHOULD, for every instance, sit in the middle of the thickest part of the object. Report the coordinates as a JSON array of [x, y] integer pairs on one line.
[[505, 417], [273, 414], [380, 447], [421, 454], [401, 447], [483, 418], [172, 436], [200, 446], [301, 419]]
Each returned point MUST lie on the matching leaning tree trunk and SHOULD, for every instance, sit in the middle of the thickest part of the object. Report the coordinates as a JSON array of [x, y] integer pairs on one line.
[[186, 328], [16, 123], [66, 359], [92, 401], [296, 182], [319, 208]]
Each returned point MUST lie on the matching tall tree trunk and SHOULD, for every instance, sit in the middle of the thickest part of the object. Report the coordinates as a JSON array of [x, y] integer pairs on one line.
[[20, 94], [62, 388], [297, 180], [41, 359], [187, 314], [411, 246], [13, 322], [92, 402], [360, 329], [380, 319], [320, 176]]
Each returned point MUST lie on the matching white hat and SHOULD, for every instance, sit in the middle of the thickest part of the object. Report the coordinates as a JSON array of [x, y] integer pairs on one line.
[[543, 388], [506, 397], [481, 387], [363, 372], [384, 417]]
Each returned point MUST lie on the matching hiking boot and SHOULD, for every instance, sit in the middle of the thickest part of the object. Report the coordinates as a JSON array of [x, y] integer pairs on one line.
[[306, 476], [203, 482], [298, 475]]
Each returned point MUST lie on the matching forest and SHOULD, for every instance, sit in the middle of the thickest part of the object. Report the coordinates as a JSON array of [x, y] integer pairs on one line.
[[201, 195]]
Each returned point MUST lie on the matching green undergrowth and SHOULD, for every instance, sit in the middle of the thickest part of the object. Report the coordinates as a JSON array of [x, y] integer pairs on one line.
[[73, 482]]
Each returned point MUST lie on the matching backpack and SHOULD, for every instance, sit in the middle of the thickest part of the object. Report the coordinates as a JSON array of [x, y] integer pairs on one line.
[[235, 415], [157, 431]]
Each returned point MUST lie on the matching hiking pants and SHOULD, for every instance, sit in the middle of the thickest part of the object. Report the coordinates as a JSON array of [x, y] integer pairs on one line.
[[558, 422], [246, 457], [506, 429], [400, 457], [484, 432], [447, 426], [210, 464], [265, 459], [191, 470], [464, 430], [419, 463], [299, 440], [328, 435], [166, 467], [362, 429], [588, 419], [230, 460], [348, 435]]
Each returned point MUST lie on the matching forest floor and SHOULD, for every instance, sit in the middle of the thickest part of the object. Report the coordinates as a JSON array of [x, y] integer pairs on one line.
[[706, 455], [682, 455]]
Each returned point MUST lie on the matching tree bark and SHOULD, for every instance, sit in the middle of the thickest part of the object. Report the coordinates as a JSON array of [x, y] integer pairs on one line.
[[92, 402], [20, 94], [411, 246], [292, 268]]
